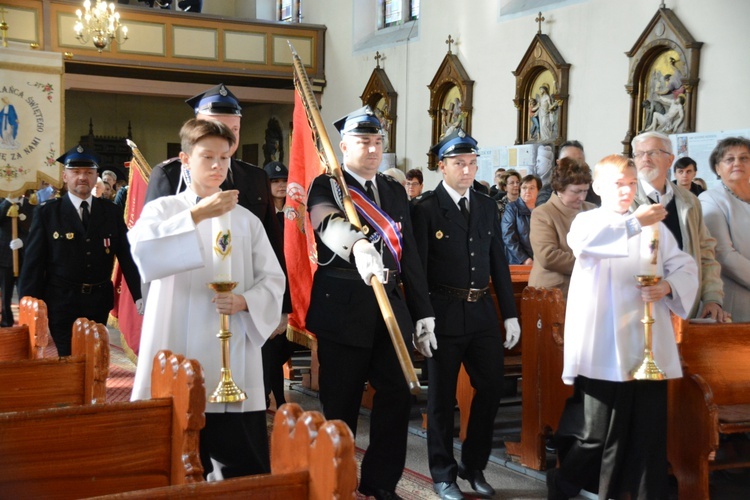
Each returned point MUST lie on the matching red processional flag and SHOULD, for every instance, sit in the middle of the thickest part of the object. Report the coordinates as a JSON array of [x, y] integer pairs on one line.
[[299, 239], [124, 315]]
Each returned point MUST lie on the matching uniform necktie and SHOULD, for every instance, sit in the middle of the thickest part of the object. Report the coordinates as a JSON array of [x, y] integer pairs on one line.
[[85, 214], [370, 191], [464, 210]]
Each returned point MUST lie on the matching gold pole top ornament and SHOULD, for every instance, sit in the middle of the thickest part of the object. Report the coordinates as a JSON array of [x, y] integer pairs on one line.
[[539, 19], [4, 27], [450, 41]]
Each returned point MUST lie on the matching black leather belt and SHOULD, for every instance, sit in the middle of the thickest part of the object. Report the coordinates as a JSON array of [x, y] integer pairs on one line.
[[353, 274], [469, 295], [85, 288]]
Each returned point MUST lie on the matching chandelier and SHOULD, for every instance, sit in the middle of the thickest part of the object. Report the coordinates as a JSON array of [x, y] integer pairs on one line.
[[100, 24]]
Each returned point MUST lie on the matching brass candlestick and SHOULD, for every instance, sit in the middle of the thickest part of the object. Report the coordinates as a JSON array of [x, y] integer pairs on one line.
[[648, 370], [227, 391]]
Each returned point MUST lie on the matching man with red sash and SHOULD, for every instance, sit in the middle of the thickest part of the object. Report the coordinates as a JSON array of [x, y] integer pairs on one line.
[[353, 343]]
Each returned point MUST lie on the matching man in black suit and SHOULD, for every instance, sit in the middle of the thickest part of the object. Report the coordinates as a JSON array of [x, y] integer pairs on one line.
[[8, 244], [458, 235], [71, 249], [353, 343], [168, 177]]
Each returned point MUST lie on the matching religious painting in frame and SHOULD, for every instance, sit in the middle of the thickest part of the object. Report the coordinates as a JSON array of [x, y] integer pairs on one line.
[[542, 94], [451, 96], [662, 78], [380, 95]]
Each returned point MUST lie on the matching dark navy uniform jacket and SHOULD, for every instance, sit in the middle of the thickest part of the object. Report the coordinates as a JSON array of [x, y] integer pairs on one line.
[[461, 255], [343, 308], [61, 256]]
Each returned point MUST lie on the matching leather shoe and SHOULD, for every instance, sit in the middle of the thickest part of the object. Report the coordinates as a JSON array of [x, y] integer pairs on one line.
[[448, 491], [378, 493], [476, 480]]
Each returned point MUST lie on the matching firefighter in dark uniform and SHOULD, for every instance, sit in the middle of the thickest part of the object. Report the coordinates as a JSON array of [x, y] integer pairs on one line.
[[25, 213], [70, 252], [353, 343], [168, 177], [457, 231]]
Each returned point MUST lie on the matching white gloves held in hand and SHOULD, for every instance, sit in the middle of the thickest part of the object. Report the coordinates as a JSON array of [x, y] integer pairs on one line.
[[512, 332], [16, 244], [140, 306], [424, 337], [368, 261]]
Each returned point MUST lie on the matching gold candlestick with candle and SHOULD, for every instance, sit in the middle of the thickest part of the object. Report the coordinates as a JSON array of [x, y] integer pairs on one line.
[[227, 391], [648, 369]]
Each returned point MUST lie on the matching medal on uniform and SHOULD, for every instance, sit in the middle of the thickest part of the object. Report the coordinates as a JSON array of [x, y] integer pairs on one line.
[[439, 235], [55, 235], [70, 236], [106, 245]]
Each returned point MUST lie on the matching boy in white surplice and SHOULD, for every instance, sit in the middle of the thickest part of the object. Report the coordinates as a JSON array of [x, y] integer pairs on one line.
[[172, 244], [612, 434]]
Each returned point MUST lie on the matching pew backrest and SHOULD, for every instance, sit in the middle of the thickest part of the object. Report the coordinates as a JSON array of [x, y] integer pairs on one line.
[[82, 451], [29, 339]]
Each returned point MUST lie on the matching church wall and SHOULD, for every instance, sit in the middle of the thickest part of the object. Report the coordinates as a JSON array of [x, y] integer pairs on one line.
[[152, 130], [592, 36]]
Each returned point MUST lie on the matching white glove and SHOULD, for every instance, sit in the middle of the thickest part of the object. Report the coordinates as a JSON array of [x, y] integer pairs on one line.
[[512, 332], [368, 261], [16, 244], [140, 306], [424, 338]]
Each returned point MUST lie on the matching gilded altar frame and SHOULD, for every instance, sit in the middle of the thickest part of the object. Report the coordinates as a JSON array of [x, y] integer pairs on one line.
[[380, 95], [662, 78], [451, 99], [541, 98]]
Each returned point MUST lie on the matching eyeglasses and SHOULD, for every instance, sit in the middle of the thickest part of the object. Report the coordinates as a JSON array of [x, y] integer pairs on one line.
[[650, 154], [411, 184], [740, 159]]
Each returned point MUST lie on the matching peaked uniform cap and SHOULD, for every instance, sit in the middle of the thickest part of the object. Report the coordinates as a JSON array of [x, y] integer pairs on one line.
[[276, 170], [217, 100], [456, 143], [78, 157], [360, 122]]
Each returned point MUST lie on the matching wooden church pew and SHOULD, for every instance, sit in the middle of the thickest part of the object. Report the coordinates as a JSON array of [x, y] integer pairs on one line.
[[28, 340], [30, 384], [83, 451], [709, 405], [310, 458], [543, 393]]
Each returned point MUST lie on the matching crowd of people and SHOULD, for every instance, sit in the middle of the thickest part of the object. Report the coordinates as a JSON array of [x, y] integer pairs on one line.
[[436, 254]]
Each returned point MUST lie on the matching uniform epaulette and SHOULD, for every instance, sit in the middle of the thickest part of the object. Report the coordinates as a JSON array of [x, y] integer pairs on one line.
[[424, 196]]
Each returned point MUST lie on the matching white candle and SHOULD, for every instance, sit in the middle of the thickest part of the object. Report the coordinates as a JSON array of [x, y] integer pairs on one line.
[[649, 250], [222, 241]]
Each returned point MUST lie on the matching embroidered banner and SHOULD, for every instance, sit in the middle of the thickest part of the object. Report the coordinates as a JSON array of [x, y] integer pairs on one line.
[[31, 132]]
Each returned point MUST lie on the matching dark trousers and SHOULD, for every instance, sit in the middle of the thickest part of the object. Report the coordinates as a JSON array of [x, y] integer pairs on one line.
[[343, 372], [482, 356], [239, 441], [275, 352], [7, 281], [66, 305], [613, 436]]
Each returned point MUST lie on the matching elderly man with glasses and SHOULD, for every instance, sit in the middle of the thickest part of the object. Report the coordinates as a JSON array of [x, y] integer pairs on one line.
[[653, 156]]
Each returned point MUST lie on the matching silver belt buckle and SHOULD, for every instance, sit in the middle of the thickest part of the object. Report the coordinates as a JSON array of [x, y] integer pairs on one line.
[[386, 275], [474, 295]]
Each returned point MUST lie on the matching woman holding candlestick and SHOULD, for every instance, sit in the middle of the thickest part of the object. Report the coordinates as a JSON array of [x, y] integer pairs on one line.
[[726, 210], [183, 242]]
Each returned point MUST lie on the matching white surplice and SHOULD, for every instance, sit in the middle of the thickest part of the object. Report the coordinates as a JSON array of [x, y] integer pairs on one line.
[[175, 255], [604, 336]]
